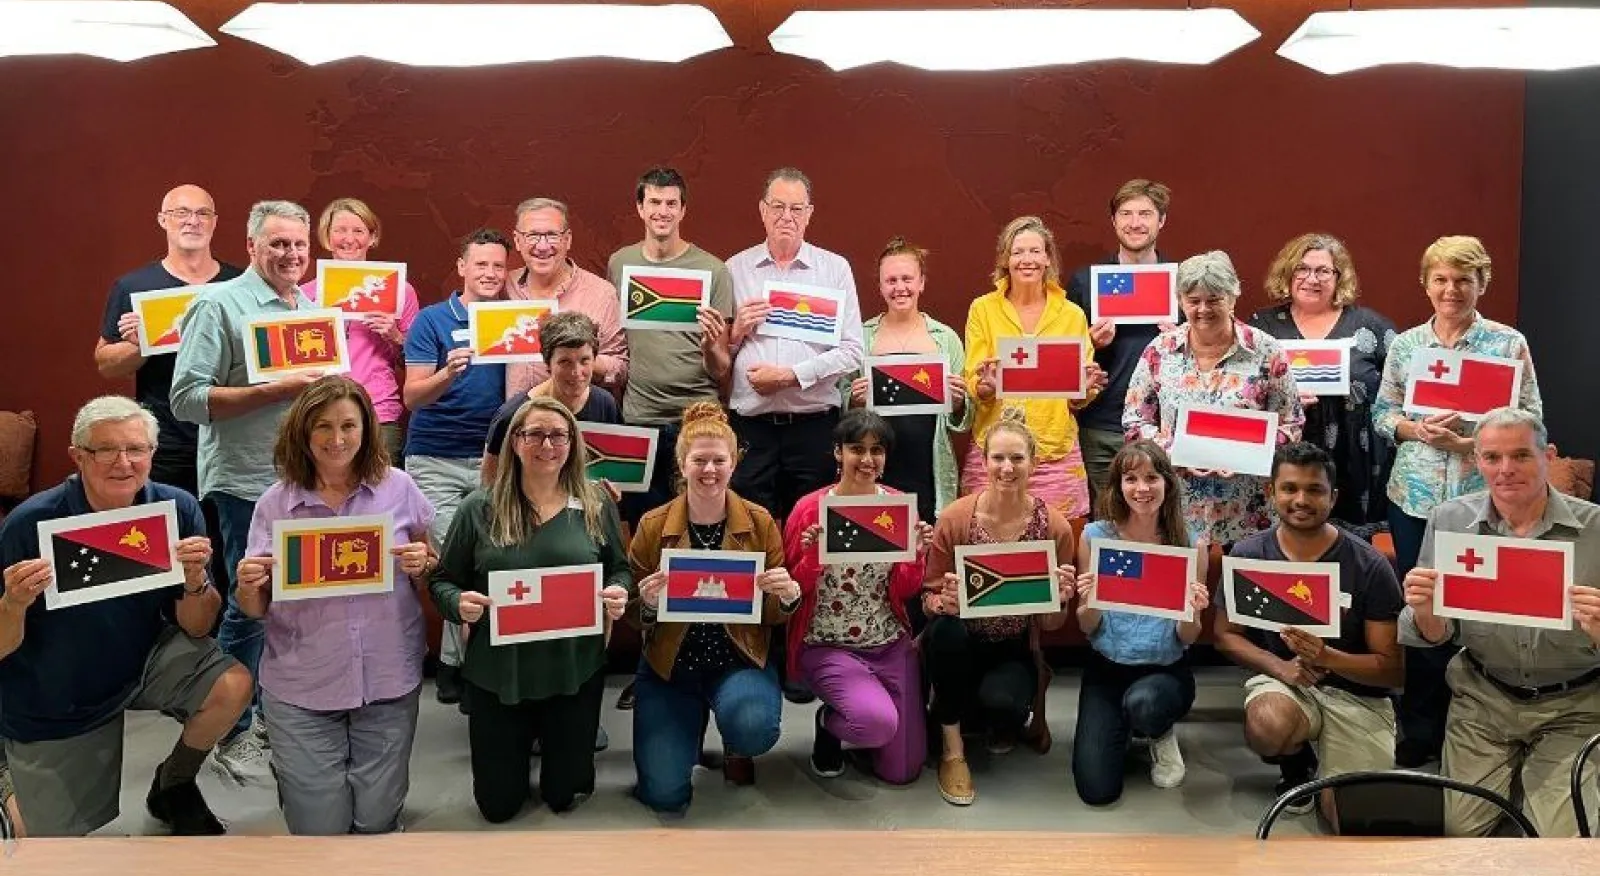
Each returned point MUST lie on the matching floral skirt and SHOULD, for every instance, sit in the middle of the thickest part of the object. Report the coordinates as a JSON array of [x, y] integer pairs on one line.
[[1062, 483]]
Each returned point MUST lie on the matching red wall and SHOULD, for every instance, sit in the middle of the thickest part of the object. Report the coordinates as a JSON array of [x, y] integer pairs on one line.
[[1256, 148]]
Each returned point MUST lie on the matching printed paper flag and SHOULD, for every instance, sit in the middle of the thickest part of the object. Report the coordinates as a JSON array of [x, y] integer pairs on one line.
[[802, 313], [160, 313], [868, 529], [1229, 439], [1271, 595], [537, 605], [663, 299], [623, 455], [332, 556], [1444, 381], [288, 343], [110, 553], [1007, 579], [507, 331], [902, 385], [362, 287], [1041, 368], [1142, 578], [717, 587], [1320, 367], [1133, 293], [1515, 581]]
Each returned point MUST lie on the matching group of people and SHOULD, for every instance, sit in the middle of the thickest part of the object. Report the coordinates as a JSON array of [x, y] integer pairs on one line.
[[488, 474]]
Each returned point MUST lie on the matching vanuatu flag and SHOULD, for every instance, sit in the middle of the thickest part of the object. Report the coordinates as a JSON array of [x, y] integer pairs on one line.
[[1008, 579], [663, 298], [339, 555], [865, 529], [907, 384], [623, 455], [97, 556]]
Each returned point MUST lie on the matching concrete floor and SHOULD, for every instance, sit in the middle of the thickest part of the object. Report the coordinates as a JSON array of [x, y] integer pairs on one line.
[[1226, 790]]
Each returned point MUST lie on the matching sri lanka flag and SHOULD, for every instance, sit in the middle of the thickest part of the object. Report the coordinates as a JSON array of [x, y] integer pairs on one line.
[[338, 555], [665, 297], [297, 343], [712, 584]]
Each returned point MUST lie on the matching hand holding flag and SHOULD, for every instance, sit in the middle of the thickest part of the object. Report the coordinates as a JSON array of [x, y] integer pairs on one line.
[[472, 605], [252, 582], [615, 600], [1586, 611], [25, 581]]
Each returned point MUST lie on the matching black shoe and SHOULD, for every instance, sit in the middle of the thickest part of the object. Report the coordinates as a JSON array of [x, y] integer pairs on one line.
[[797, 694], [447, 684], [182, 808], [827, 752], [626, 699], [1295, 770], [1410, 754]]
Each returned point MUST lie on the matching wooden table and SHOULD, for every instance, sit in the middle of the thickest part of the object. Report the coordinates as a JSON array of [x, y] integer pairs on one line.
[[772, 853]]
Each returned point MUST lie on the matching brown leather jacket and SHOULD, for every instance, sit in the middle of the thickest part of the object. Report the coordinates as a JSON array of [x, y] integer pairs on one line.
[[750, 528]]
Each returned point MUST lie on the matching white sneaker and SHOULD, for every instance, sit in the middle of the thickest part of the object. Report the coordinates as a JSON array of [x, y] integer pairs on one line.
[[243, 759], [1166, 761]]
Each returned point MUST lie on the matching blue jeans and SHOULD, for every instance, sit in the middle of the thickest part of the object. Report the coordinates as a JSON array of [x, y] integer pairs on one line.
[[240, 637], [1114, 703], [669, 719]]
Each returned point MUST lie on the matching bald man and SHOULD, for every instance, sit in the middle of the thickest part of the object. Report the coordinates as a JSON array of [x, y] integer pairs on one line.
[[188, 216]]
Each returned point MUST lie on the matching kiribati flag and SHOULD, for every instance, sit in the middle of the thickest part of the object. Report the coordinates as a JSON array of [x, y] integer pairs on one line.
[[711, 585], [663, 297], [809, 315]]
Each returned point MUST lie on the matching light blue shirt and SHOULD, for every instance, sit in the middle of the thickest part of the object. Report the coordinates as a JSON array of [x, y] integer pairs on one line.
[[1132, 639], [235, 454]]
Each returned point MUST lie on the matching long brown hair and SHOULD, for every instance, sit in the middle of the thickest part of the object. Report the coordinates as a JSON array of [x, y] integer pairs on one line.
[[292, 453], [1114, 506], [512, 518]]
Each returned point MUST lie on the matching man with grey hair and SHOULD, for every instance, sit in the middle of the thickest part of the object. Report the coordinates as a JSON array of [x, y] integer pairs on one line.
[[239, 421], [1524, 699], [67, 676], [543, 237]]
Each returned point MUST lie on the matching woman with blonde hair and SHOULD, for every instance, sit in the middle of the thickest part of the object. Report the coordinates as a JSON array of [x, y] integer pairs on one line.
[[349, 230], [1314, 280], [689, 671], [541, 511], [1028, 302], [341, 709], [987, 674]]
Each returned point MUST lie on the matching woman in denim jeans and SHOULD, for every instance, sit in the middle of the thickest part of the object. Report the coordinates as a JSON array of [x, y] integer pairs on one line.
[[1138, 681]]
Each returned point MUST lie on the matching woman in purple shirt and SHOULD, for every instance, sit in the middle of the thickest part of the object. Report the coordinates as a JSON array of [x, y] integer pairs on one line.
[[340, 675]]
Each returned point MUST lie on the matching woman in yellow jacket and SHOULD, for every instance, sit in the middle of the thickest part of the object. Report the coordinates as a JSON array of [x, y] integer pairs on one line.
[[1028, 302]]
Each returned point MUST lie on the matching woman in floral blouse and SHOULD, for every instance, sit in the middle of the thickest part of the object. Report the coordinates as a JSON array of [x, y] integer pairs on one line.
[[1212, 359], [1314, 279]]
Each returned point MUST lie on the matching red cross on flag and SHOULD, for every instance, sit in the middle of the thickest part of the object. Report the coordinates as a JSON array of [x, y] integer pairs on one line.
[[536, 605], [1441, 381], [1041, 368], [1515, 581]]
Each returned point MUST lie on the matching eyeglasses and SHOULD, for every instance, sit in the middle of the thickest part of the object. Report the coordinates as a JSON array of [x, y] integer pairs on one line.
[[536, 437], [779, 207], [550, 237], [184, 214], [108, 455], [1321, 272]]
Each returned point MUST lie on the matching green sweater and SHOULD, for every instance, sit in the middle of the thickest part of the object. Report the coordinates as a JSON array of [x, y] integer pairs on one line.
[[532, 670]]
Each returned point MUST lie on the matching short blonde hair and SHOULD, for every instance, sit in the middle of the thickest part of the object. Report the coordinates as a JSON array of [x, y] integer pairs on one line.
[[354, 207], [1014, 420], [1212, 271], [1008, 237], [1281, 275], [1461, 252]]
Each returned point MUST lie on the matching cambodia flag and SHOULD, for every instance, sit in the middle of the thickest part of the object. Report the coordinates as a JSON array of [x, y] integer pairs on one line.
[[1271, 595], [1131, 578], [663, 295], [1450, 381], [534, 605], [1134, 293], [715, 586], [869, 528], [1521, 582], [1041, 368], [917, 386], [623, 455], [111, 553]]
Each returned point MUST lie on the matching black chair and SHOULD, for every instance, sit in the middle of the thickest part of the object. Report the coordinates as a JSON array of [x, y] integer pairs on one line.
[[1578, 763], [1391, 803]]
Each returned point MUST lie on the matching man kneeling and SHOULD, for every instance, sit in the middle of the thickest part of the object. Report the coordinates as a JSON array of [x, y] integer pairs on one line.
[[67, 676]]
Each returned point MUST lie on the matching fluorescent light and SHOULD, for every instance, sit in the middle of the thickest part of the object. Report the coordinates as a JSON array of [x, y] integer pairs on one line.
[[119, 30], [478, 34], [1006, 39], [1522, 38]]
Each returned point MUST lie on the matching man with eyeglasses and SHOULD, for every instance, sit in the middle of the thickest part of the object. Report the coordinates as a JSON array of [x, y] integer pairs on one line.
[[785, 397], [238, 424], [452, 400], [67, 676], [543, 237]]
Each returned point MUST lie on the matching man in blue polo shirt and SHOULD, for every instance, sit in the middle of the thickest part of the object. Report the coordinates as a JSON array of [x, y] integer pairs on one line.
[[66, 676], [451, 402]]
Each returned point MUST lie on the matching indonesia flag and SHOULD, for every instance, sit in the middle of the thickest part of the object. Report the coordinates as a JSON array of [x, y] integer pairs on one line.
[[1133, 293], [1449, 381], [1520, 582], [1227, 439], [1041, 368]]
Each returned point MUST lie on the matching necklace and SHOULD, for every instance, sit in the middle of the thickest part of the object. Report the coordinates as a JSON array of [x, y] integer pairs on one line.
[[707, 536]]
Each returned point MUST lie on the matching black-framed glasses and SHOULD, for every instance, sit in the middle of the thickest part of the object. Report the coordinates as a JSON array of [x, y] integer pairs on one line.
[[108, 455], [536, 437], [550, 237], [184, 214]]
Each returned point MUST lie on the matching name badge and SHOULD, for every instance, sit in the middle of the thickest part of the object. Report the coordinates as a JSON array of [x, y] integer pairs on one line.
[[461, 335]]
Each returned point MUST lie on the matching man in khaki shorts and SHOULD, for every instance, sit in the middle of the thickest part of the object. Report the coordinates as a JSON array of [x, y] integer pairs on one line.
[[67, 675], [1523, 700], [1311, 690]]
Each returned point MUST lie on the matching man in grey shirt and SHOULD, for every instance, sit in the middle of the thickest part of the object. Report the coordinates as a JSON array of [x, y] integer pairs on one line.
[[1523, 698], [239, 422]]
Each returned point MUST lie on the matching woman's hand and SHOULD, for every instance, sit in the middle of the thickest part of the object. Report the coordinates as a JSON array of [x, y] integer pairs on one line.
[[414, 558], [957, 390], [810, 535], [1095, 378], [472, 605], [384, 326], [254, 574], [988, 374], [858, 392], [924, 536], [1085, 588], [615, 600], [1307, 399], [1066, 583], [779, 584], [945, 600], [650, 588], [1199, 597]]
